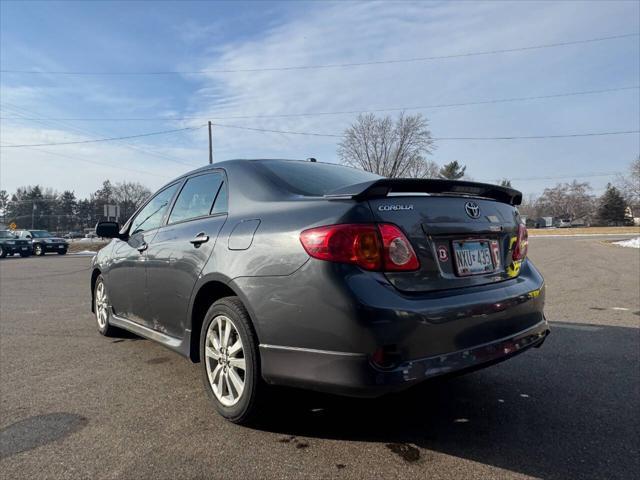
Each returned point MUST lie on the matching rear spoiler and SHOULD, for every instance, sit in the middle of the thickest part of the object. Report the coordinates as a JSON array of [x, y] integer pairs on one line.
[[384, 186]]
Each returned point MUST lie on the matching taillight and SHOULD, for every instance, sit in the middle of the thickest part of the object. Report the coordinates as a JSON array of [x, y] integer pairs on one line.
[[398, 252], [522, 244], [380, 247]]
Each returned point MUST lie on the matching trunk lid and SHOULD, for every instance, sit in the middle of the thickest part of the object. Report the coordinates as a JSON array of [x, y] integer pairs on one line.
[[448, 234]]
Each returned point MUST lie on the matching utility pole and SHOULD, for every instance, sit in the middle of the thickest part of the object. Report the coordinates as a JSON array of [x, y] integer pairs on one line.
[[210, 145]]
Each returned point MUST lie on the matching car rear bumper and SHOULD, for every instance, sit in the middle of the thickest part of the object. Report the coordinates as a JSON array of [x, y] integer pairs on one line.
[[354, 374], [15, 249], [335, 328], [55, 247]]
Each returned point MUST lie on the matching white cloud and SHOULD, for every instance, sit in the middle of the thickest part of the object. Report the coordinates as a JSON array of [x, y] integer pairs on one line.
[[355, 32]]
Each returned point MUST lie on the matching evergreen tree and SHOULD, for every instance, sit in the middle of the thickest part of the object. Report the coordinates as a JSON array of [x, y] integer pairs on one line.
[[453, 170], [67, 209], [611, 207]]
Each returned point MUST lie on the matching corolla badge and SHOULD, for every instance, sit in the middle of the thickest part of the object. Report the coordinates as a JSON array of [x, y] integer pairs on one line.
[[387, 207], [472, 209]]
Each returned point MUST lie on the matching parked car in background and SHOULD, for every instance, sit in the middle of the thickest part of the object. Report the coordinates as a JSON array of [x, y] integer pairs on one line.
[[43, 242], [91, 235], [564, 223], [74, 235], [321, 276], [11, 244]]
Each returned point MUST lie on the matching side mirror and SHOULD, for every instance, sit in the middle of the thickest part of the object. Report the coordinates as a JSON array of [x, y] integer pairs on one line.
[[108, 229]]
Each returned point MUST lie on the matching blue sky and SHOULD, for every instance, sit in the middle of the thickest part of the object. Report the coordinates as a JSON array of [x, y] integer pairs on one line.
[[193, 36]]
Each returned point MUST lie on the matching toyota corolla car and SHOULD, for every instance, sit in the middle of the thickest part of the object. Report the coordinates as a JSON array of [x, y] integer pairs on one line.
[[314, 275]]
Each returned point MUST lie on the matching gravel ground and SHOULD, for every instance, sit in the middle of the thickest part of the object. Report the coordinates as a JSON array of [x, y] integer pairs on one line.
[[78, 405]]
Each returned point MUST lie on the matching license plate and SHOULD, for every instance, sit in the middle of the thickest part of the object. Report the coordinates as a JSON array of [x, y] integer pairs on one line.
[[473, 257], [60, 246], [25, 248]]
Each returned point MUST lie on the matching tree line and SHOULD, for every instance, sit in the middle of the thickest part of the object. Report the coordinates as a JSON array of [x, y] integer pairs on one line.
[[38, 207]]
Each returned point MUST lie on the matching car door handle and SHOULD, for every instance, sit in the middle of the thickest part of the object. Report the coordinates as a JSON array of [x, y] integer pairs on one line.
[[200, 238], [143, 247]]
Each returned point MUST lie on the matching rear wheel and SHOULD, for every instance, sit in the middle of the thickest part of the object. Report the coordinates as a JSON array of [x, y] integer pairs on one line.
[[3, 253], [229, 357], [102, 308], [38, 249]]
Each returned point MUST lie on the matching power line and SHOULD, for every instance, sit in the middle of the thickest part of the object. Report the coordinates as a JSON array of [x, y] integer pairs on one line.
[[92, 133], [330, 65], [340, 112], [526, 137], [163, 132], [96, 162], [268, 130], [558, 177], [536, 137]]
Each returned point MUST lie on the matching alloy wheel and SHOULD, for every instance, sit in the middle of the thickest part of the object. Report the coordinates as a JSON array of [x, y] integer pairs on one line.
[[225, 360], [102, 305]]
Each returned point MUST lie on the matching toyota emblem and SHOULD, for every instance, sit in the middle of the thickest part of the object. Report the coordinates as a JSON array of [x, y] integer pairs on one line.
[[472, 209]]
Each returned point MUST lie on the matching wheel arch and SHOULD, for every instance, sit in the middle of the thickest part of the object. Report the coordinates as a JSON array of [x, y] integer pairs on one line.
[[207, 293], [94, 277]]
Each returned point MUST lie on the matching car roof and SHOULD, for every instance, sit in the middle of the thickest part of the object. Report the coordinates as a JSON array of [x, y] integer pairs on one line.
[[244, 163]]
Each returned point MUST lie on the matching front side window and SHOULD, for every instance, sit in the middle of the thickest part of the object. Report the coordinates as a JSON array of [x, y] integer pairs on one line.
[[153, 213], [196, 197]]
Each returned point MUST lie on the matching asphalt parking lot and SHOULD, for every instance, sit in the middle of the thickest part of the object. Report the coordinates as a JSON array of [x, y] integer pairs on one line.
[[77, 405]]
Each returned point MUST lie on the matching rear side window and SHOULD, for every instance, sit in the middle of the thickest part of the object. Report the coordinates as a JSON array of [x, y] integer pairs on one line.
[[153, 213], [197, 197], [313, 178]]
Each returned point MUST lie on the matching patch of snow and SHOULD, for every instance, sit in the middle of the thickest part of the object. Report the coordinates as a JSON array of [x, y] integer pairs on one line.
[[632, 243], [84, 252]]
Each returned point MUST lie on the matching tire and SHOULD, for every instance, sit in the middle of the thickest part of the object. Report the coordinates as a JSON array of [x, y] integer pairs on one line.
[[38, 250], [239, 405], [102, 308], [3, 253]]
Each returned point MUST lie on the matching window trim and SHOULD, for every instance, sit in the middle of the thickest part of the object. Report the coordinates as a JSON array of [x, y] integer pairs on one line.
[[209, 215], [127, 226]]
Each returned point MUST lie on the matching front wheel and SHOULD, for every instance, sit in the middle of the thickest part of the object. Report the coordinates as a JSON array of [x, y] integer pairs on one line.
[[102, 308], [229, 355], [3, 253], [38, 249]]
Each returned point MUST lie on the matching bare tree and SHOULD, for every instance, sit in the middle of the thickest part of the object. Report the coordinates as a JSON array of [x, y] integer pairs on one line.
[[573, 200], [129, 195], [629, 184], [389, 149]]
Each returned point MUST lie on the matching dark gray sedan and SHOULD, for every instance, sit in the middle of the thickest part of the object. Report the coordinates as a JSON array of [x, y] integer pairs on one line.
[[323, 277]]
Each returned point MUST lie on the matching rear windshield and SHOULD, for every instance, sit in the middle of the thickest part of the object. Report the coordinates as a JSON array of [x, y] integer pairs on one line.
[[313, 178]]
